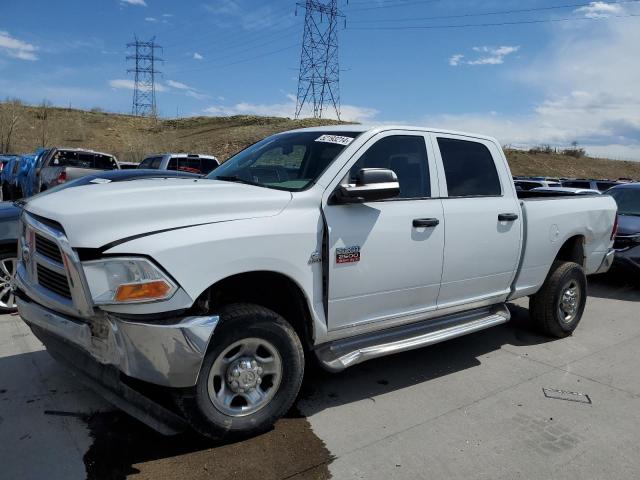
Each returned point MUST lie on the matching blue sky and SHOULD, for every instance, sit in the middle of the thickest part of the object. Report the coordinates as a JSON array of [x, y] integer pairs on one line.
[[526, 83]]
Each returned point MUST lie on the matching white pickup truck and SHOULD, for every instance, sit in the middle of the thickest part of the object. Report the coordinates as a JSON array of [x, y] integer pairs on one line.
[[340, 244]]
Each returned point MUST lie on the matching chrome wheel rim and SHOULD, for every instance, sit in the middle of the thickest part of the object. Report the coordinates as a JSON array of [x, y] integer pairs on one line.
[[7, 270], [569, 302], [245, 377]]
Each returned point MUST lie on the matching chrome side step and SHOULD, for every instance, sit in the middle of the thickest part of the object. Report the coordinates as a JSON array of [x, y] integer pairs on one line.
[[343, 353]]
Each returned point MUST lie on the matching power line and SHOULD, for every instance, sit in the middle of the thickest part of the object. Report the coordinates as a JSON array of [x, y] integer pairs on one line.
[[496, 24], [319, 74], [144, 89], [497, 12]]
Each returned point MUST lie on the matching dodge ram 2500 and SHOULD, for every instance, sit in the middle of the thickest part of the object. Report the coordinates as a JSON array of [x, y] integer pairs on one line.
[[195, 302]]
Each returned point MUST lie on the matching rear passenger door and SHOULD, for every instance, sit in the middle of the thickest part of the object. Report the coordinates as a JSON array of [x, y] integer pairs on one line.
[[482, 224]]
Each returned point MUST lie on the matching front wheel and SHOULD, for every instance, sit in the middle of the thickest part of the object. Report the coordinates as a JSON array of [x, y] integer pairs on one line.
[[250, 376], [558, 307], [8, 263]]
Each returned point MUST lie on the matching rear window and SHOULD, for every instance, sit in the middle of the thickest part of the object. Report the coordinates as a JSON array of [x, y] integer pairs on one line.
[[602, 186], [469, 168], [524, 185], [65, 158], [192, 164], [576, 184], [151, 162]]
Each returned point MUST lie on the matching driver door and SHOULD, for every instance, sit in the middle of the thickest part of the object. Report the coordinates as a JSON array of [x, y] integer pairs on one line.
[[381, 266]]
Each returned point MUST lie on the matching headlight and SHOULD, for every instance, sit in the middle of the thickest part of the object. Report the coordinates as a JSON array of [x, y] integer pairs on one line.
[[126, 280]]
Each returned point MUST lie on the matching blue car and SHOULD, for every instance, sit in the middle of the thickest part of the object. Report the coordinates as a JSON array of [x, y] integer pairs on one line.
[[8, 177]]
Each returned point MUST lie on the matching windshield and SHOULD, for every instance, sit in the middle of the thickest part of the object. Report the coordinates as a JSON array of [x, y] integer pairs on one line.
[[287, 161], [628, 200]]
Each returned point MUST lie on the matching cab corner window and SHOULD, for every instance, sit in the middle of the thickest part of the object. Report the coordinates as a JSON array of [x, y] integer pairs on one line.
[[406, 155], [469, 168]]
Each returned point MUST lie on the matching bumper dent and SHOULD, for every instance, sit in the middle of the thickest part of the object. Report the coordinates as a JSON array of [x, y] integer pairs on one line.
[[167, 355]]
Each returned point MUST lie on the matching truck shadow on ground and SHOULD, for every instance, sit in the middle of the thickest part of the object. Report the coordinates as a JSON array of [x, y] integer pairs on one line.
[[615, 286]]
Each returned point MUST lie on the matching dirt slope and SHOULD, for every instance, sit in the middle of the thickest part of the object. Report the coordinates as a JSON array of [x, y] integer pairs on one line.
[[132, 138]]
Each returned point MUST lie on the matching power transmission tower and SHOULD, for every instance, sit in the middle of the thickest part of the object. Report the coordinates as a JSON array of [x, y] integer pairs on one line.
[[319, 77], [144, 89]]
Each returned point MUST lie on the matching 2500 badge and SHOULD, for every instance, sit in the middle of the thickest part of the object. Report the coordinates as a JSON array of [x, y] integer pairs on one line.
[[348, 254]]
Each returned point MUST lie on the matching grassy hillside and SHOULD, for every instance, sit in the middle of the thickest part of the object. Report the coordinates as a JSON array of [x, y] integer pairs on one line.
[[132, 138]]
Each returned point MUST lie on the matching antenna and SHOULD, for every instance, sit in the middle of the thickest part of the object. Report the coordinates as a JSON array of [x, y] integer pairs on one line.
[[144, 88], [319, 77]]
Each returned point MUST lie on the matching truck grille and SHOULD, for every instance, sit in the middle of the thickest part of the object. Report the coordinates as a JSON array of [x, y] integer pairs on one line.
[[53, 281], [48, 248]]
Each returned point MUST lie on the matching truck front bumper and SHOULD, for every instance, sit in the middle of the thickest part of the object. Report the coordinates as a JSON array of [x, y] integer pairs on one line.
[[168, 354]]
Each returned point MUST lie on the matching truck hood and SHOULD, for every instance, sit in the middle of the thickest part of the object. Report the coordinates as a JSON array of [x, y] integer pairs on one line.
[[97, 215]]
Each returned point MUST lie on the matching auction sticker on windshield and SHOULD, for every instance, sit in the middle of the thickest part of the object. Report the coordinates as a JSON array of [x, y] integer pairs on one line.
[[335, 139]]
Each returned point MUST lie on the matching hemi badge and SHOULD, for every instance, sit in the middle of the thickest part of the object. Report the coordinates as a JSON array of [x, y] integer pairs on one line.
[[348, 254]]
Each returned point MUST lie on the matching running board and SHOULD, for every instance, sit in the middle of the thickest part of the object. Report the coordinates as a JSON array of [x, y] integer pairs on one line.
[[340, 354]]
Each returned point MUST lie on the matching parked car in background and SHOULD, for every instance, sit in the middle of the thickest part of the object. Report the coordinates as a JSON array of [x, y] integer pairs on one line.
[[8, 178], [60, 165], [10, 214], [344, 243], [567, 191], [529, 184], [627, 240], [184, 162], [600, 185], [128, 165], [5, 158]]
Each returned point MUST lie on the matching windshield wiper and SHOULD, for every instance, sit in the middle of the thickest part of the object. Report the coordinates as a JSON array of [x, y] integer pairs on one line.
[[235, 178]]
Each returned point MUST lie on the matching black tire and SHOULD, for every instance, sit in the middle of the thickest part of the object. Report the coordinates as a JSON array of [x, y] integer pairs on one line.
[[545, 306], [7, 297], [238, 322]]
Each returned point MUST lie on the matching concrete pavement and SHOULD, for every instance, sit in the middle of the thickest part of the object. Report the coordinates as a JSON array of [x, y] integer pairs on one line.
[[470, 408]]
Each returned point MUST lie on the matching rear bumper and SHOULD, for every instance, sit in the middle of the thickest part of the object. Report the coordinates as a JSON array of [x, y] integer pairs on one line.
[[168, 354], [607, 261]]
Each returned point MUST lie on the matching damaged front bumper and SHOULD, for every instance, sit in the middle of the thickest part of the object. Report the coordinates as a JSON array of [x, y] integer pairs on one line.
[[168, 354]]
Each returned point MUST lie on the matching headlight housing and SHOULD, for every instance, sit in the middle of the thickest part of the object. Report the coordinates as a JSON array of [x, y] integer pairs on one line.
[[120, 280]]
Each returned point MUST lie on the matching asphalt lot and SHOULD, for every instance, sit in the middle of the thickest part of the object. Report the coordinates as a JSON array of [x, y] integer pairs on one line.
[[471, 408]]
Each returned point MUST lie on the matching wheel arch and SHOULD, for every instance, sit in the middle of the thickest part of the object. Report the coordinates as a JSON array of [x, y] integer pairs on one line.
[[273, 290], [572, 250]]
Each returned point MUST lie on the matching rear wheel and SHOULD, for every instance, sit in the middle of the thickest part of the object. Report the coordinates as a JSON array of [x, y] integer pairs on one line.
[[250, 376], [558, 307]]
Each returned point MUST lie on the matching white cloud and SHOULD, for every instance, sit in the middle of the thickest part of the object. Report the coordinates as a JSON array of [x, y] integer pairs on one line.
[[287, 109], [197, 56], [178, 85], [487, 56], [454, 60], [589, 93], [15, 48], [150, 19], [140, 3], [127, 84], [493, 56], [167, 15], [599, 10]]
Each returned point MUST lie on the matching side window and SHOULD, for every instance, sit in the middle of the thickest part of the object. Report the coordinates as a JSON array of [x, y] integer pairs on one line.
[[406, 155], [146, 163], [469, 168], [103, 162], [155, 163]]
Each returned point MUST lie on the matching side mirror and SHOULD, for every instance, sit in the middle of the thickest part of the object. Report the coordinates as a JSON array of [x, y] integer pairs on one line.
[[371, 184]]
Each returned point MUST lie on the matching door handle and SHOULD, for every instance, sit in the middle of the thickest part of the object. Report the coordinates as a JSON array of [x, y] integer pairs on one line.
[[425, 222], [507, 217]]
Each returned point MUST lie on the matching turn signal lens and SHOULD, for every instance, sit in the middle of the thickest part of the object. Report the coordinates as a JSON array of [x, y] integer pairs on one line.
[[132, 292]]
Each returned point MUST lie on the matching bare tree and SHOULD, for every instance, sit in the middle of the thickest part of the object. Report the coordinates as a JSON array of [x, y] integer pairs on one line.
[[44, 111], [10, 113]]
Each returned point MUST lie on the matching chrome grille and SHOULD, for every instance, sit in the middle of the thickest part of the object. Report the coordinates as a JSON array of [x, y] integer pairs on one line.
[[48, 248], [53, 281]]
